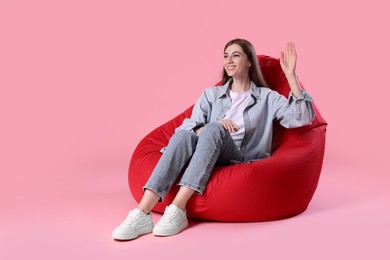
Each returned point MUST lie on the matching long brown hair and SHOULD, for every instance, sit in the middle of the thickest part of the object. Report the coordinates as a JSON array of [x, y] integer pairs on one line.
[[255, 73]]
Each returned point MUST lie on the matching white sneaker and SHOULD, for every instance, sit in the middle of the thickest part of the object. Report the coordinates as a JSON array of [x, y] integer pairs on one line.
[[172, 222], [136, 223]]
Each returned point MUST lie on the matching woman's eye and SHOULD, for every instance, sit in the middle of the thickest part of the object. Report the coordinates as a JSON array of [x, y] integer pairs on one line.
[[236, 55]]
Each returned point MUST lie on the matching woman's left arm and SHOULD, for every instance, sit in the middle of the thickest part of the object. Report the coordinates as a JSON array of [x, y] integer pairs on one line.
[[298, 109], [288, 62]]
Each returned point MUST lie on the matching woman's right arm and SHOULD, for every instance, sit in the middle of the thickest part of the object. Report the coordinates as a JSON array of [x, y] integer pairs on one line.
[[199, 116]]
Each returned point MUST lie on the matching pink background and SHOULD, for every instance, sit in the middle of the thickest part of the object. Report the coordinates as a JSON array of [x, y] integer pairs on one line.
[[83, 81]]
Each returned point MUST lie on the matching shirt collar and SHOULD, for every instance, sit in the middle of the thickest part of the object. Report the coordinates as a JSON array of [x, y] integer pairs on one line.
[[224, 89]]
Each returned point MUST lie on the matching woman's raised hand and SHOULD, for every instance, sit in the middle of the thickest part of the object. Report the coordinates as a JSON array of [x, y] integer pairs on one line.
[[229, 125], [288, 60]]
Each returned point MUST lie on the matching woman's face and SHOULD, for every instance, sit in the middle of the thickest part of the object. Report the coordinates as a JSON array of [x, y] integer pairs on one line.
[[236, 62]]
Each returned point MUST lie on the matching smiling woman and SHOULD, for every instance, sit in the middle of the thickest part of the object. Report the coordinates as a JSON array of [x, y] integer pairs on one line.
[[236, 63], [229, 125], [242, 51]]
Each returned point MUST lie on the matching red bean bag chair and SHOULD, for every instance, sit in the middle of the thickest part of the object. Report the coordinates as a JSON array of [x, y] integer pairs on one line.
[[274, 188]]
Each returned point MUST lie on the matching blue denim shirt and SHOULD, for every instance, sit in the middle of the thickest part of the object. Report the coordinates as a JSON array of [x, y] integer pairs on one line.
[[265, 106]]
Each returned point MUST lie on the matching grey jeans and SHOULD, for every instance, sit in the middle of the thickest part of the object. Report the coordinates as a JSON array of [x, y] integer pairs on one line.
[[213, 146]]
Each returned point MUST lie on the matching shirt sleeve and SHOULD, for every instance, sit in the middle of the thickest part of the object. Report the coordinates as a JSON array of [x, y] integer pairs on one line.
[[199, 115], [294, 111]]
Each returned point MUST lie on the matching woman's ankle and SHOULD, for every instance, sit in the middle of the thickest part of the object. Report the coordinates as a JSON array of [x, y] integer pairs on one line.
[[146, 211]]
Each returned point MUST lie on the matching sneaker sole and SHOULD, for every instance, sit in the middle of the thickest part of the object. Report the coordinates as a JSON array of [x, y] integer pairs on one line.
[[141, 231], [166, 233]]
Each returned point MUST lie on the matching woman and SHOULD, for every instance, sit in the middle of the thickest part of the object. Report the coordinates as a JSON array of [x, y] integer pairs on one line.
[[229, 124]]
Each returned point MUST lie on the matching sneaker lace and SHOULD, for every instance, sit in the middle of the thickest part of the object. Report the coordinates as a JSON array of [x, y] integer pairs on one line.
[[169, 215], [130, 218]]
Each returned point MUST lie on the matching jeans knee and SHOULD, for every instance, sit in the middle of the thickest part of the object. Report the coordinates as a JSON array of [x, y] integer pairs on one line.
[[183, 136], [213, 129]]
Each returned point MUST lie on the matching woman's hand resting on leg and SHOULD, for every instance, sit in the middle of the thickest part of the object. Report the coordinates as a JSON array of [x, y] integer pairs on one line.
[[229, 125]]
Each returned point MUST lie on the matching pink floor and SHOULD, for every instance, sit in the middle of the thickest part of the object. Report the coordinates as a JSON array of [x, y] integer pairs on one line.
[[347, 219], [83, 81]]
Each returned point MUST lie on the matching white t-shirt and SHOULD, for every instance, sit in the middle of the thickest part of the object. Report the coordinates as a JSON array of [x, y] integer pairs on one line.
[[236, 114]]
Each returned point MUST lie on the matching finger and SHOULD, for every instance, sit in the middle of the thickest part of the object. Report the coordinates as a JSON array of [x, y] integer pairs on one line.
[[224, 124], [230, 126], [294, 50], [281, 57], [288, 51], [234, 127], [287, 48]]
